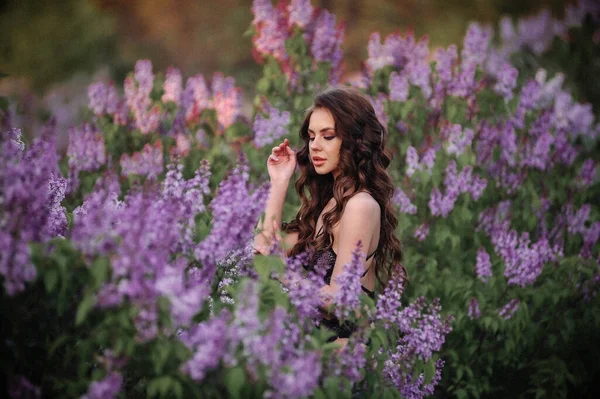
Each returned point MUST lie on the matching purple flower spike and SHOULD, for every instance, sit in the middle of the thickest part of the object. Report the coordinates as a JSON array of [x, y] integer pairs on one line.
[[86, 150], [458, 140], [389, 302], [398, 87], [209, 342], [347, 296], [271, 128], [445, 63], [172, 86], [301, 12], [402, 200], [507, 81], [107, 388], [325, 37], [97, 94], [509, 309], [587, 174], [235, 212], [378, 106], [476, 45], [422, 232], [196, 97], [227, 100], [483, 268], [473, 310], [412, 161], [379, 55], [272, 30], [590, 238], [148, 162]]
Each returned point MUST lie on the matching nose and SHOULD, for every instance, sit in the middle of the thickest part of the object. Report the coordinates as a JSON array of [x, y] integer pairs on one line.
[[315, 145]]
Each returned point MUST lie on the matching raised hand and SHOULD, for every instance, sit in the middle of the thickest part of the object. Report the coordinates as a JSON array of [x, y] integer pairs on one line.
[[282, 162]]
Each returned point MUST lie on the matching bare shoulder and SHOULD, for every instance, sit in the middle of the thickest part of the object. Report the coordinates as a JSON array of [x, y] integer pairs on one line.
[[363, 203]]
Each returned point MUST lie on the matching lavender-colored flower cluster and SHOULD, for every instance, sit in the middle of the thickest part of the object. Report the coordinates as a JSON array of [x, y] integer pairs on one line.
[[424, 331], [422, 232], [271, 128], [172, 86], [189, 101], [302, 289], [104, 99], [473, 309], [483, 267], [507, 81], [399, 87], [301, 12], [147, 163], [401, 199], [209, 342], [107, 388], [137, 97], [389, 302], [347, 298], [235, 211], [455, 184], [458, 140], [509, 310], [413, 163], [86, 152], [142, 235], [275, 346], [227, 100], [31, 192]]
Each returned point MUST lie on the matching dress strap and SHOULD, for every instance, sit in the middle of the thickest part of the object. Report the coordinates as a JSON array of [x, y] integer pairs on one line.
[[373, 253]]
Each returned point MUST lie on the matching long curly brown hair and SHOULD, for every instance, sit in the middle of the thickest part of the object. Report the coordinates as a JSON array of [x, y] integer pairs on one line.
[[362, 165]]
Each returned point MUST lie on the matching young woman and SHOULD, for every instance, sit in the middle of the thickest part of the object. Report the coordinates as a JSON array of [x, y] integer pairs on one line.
[[345, 194]]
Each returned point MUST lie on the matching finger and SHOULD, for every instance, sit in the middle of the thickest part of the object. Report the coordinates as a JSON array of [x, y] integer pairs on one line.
[[289, 150], [273, 158]]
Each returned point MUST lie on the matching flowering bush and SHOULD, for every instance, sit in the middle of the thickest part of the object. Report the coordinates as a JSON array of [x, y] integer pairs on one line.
[[127, 268]]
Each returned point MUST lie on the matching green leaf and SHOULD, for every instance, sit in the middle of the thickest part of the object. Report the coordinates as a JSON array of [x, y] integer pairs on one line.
[[264, 265], [332, 387], [99, 270], [85, 306], [159, 386], [235, 378], [50, 279], [429, 370], [319, 394]]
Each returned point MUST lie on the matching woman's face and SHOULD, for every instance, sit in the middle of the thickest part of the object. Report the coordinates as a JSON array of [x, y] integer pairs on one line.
[[324, 143]]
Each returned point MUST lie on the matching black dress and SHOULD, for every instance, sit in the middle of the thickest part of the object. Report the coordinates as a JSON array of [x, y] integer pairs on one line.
[[327, 259]]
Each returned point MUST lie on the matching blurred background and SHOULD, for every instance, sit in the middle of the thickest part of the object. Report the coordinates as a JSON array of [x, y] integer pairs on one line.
[[51, 50]]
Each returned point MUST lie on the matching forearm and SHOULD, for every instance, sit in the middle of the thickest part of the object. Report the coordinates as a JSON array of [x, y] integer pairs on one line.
[[273, 214], [327, 295]]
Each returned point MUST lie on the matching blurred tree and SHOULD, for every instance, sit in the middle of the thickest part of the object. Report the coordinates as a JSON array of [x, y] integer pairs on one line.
[[50, 40], [195, 36]]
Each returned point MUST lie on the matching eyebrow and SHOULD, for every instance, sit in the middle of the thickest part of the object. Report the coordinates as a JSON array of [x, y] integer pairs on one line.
[[322, 130]]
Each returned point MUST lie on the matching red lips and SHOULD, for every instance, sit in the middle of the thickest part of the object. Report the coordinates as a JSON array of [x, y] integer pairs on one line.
[[318, 161]]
